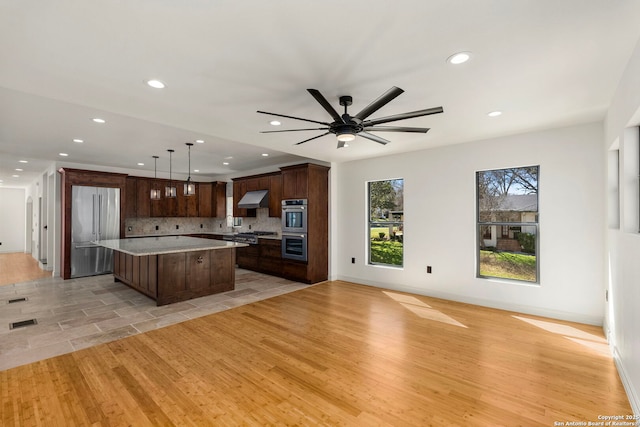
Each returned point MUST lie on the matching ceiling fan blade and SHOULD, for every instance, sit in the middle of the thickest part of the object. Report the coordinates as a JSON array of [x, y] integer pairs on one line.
[[374, 138], [419, 113], [379, 103], [290, 130], [325, 104], [395, 129], [292, 117], [306, 140]]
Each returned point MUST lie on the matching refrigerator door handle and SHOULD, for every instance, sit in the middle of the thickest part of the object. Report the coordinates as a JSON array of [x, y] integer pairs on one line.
[[100, 217], [93, 216]]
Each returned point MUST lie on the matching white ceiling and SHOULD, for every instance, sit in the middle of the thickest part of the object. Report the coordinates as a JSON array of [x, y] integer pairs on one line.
[[544, 63]]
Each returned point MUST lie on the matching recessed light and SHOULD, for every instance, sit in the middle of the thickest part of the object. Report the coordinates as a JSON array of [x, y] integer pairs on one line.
[[196, 170], [200, 141], [23, 161], [140, 164], [225, 163], [156, 84], [265, 154], [15, 176], [494, 114], [63, 154], [19, 170], [78, 141], [99, 120], [459, 58], [275, 123], [228, 158]]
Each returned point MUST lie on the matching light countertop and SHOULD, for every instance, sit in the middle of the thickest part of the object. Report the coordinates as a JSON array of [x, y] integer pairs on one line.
[[141, 246]]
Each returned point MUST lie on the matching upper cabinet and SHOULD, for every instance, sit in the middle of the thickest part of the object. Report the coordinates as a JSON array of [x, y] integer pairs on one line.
[[212, 199], [275, 195], [295, 183], [209, 200], [269, 181]]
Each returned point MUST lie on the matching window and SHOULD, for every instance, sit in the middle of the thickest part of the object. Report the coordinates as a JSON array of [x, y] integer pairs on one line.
[[507, 223], [386, 218]]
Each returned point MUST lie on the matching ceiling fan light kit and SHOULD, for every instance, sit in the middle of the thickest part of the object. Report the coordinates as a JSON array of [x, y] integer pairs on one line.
[[346, 127]]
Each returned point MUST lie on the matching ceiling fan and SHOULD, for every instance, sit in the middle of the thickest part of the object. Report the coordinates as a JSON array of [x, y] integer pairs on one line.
[[346, 127]]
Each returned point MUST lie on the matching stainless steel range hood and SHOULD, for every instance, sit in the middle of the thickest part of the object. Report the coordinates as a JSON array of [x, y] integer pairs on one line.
[[254, 199]]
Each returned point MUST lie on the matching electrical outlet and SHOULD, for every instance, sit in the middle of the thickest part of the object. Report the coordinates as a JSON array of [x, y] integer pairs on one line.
[[428, 269], [157, 228], [201, 225], [249, 226], [220, 225], [177, 227], [353, 260]]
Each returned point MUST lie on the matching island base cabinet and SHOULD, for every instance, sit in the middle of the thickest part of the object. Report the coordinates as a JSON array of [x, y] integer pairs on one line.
[[175, 277], [139, 272]]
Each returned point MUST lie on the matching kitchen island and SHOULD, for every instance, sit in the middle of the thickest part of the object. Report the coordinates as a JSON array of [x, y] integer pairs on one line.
[[174, 268]]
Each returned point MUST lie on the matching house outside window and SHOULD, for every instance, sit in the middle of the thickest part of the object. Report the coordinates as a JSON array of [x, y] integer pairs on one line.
[[507, 224], [386, 222]]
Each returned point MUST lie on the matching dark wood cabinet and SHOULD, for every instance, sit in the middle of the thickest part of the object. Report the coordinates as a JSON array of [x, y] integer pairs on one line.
[[264, 257], [130, 198], [295, 270], [269, 181], [275, 195], [175, 277], [143, 197], [239, 190], [270, 256], [212, 199], [137, 202], [187, 205], [295, 182], [306, 181], [310, 181], [247, 257]]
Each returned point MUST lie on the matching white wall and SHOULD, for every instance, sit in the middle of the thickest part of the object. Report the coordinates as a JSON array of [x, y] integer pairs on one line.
[[440, 212], [12, 219], [623, 240]]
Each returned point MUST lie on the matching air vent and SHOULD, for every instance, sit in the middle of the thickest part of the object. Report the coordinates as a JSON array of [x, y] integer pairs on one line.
[[23, 323], [11, 301]]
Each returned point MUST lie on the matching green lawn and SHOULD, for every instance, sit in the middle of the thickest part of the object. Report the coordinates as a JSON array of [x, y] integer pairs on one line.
[[386, 252], [508, 265]]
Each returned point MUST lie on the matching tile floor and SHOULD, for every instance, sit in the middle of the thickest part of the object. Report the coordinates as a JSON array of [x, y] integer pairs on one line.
[[79, 313]]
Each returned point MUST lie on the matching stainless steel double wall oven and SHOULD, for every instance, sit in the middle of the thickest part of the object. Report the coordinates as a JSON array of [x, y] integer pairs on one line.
[[294, 229]]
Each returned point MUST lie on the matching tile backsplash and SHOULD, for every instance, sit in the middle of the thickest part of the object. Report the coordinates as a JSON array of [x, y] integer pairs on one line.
[[155, 226]]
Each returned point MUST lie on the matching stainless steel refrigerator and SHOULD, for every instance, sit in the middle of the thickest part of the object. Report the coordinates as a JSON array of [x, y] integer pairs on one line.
[[95, 215]]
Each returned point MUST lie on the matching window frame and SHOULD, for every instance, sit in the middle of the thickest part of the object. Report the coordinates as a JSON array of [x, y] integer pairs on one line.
[[371, 223], [501, 224]]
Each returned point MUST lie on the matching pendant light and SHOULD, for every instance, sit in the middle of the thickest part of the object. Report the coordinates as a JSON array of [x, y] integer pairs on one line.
[[170, 191], [189, 187], [155, 192]]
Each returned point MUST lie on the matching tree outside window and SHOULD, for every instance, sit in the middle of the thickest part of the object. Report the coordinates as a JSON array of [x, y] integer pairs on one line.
[[507, 224], [386, 217]]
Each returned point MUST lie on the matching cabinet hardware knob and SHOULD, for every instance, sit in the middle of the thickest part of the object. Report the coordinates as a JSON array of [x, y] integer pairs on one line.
[[200, 260]]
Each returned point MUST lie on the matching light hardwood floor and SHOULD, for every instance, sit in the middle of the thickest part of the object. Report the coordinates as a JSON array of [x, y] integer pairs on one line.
[[335, 353], [19, 267]]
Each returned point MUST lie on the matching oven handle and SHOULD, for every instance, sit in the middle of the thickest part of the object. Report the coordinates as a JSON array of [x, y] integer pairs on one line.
[[302, 236]]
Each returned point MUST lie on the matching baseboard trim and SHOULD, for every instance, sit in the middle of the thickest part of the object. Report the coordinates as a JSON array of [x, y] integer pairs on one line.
[[632, 395], [523, 309]]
